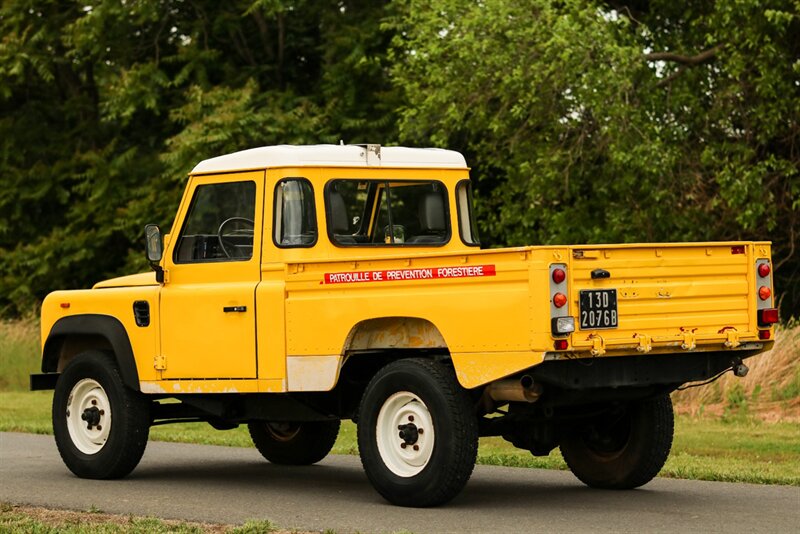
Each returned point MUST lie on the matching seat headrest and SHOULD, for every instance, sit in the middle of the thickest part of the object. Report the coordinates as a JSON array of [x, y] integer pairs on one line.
[[340, 221], [431, 213]]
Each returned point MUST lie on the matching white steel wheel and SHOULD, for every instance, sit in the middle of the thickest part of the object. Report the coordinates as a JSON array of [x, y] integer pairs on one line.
[[417, 433], [90, 443], [405, 434], [88, 416]]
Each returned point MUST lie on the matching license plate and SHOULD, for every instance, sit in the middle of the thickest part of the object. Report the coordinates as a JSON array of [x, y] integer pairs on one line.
[[598, 309]]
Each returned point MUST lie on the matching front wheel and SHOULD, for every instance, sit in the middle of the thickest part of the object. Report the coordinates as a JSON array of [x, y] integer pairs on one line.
[[624, 448], [100, 425], [290, 443], [417, 433]]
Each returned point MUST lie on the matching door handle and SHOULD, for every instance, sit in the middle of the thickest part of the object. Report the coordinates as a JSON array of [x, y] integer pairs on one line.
[[228, 309], [600, 273]]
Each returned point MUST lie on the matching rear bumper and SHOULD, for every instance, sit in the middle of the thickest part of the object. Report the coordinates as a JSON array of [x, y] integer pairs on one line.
[[670, 370]]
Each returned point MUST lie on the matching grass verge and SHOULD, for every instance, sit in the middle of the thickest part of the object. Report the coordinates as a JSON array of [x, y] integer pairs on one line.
[[737, 448], [19, 353], [26, 519]]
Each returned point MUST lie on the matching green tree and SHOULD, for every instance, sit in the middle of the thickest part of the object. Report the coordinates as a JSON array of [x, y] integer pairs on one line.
[[614, 121], [106, 105], [584, 121]]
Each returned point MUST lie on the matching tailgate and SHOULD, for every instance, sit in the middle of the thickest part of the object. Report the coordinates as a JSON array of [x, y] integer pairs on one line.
[[648, 297]]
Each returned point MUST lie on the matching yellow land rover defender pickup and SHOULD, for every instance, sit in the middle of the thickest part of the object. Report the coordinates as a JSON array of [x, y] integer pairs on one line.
[[303, 285]]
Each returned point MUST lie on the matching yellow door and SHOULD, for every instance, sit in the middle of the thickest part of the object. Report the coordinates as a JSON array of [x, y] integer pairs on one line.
[[208, 313]]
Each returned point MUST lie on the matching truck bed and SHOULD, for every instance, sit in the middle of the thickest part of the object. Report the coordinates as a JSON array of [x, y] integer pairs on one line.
[[488, 308], [673, 296]]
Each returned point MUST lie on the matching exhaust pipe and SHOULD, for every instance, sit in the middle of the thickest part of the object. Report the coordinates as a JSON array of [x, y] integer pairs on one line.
[[522, 390]]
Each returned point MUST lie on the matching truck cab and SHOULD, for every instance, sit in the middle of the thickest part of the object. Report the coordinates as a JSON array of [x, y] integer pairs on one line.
[[303, 285]]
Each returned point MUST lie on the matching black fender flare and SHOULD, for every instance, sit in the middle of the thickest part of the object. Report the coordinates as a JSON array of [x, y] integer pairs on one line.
[[104, 326]]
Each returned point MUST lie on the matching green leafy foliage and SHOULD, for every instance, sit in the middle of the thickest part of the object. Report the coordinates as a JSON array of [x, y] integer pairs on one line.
[[619, 121], [105, 107], [584, 121]]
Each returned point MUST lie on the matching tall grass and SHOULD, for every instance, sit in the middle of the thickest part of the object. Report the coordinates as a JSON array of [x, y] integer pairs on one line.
[[20, 353], [773, 382]]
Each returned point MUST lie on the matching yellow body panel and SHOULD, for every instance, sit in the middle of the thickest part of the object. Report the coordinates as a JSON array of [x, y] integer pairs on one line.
[[114, 302], [489, 309]]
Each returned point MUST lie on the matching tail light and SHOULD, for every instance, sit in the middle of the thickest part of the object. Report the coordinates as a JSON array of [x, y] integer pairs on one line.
[[767, 314], [561, 323]]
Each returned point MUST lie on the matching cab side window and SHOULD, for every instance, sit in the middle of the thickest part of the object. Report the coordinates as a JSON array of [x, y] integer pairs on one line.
[[387, 213], [295, 214], [219, 225]]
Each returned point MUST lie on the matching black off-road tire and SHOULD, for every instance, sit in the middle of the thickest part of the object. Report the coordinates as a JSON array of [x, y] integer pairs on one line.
[[622, 451], [430, 390], [126, 412], [303, 443]]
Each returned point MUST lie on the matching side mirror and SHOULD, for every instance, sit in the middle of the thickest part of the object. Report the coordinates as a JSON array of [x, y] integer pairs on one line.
[[155, 249], [152, 236]]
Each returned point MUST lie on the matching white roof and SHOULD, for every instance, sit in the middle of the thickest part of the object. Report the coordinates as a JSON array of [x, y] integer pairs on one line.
[[332, 156]]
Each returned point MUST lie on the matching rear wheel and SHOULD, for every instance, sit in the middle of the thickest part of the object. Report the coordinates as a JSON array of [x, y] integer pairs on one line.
[[294, 443], [100, 425], [624, 448], [417, 433]]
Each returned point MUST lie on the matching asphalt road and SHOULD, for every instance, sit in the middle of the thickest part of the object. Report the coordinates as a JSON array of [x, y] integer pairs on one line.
[[232, 485]]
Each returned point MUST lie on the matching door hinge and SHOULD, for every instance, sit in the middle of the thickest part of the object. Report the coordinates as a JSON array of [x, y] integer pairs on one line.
[[160, 362]]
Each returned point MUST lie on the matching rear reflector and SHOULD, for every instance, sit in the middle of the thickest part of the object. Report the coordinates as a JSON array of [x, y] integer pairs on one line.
[[763, 334], [737, 249], [561, 344], [767, 316]]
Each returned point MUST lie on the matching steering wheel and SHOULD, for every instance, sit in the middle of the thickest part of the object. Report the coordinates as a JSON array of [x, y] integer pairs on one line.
[[232, 249]]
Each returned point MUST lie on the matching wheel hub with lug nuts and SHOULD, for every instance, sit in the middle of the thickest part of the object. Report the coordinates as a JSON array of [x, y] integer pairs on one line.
[[404, 433], [409, 433], [92, 417]]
